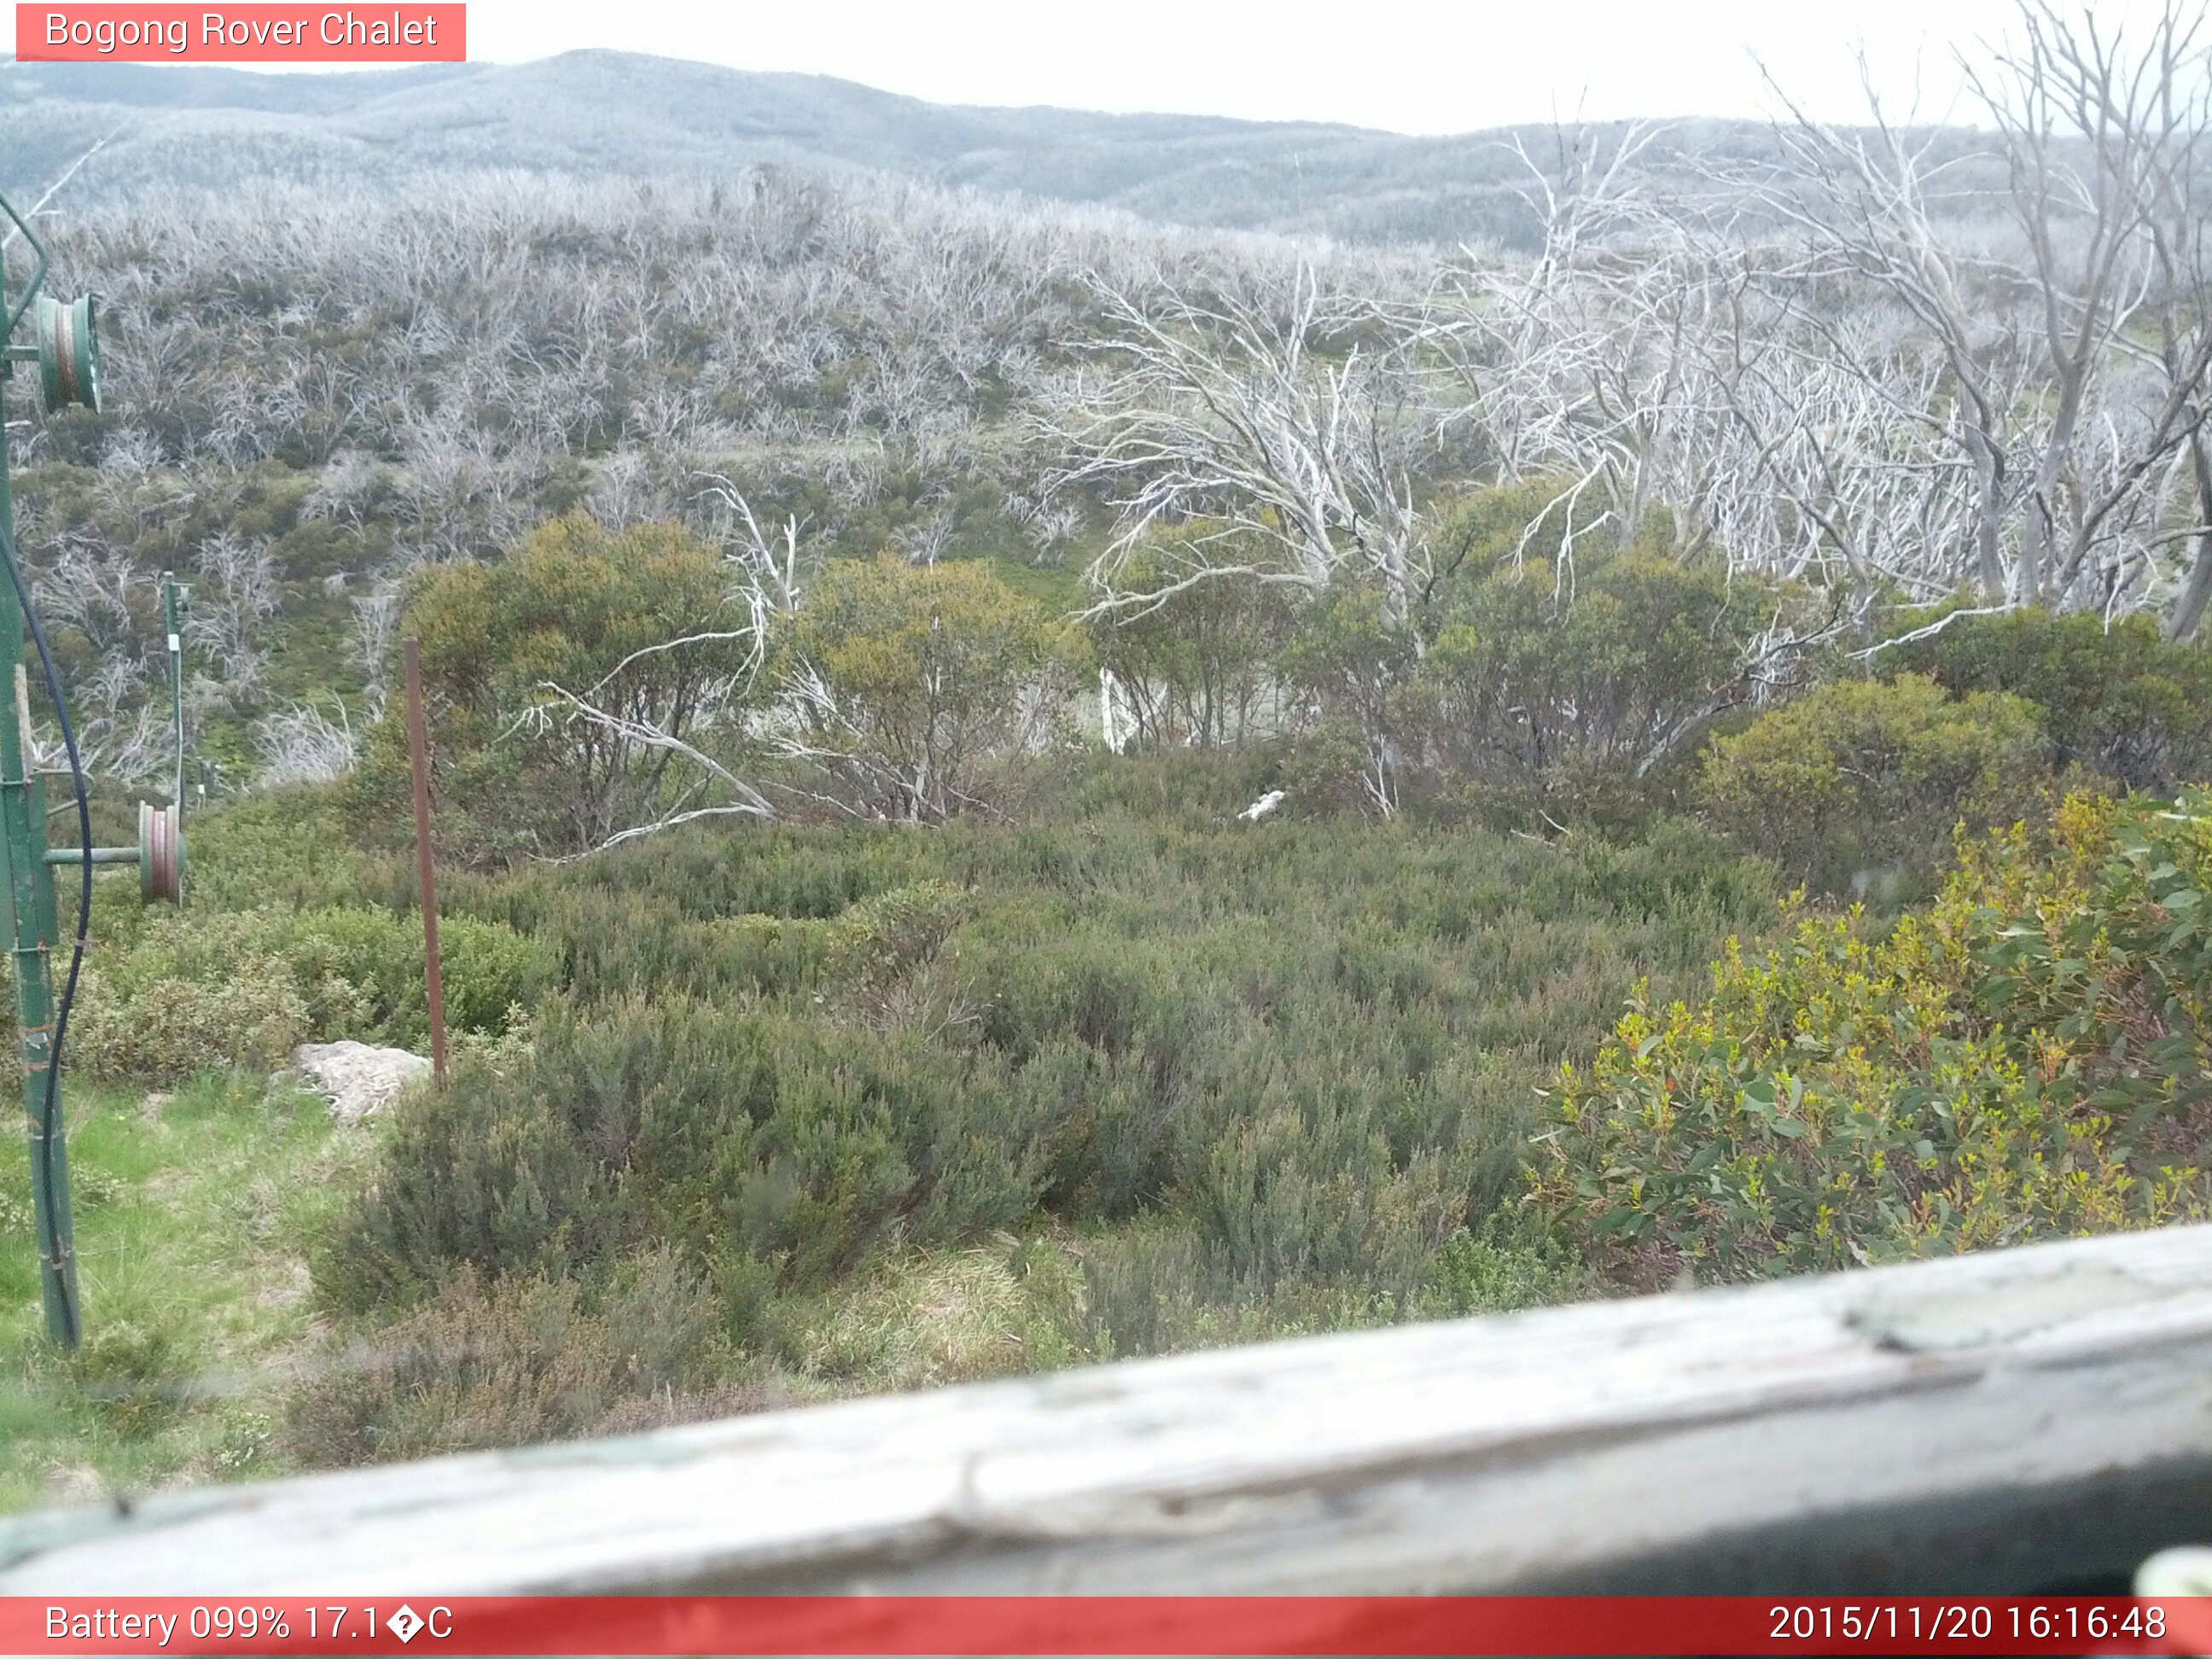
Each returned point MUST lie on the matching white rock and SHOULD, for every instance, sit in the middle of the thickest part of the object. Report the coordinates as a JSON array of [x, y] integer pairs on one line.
[[1259, 808], [358, 1077]]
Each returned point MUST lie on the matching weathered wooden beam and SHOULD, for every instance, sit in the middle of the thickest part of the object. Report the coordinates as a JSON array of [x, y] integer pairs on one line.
[[2022, 1420]]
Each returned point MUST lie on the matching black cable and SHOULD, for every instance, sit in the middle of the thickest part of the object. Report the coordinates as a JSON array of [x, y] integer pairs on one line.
[[50, 1115]]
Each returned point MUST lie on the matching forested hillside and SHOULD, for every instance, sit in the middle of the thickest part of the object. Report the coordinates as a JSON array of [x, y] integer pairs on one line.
[[1018, 784]]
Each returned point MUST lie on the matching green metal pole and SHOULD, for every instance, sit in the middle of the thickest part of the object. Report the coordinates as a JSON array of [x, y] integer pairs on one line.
[[32, 930]]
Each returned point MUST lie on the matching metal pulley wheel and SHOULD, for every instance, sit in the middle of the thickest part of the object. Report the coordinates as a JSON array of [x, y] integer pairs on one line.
[[69, 353], [160, 853]]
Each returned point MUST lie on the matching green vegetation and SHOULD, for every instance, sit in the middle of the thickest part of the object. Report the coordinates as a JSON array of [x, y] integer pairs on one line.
[[975, 1049], [916, 690], [833, 1107], [2117, 700], [2026, 1061], [1859, 783], [244, 988], [192, 1213], [573, 612], [1197, 667], [1210, 1080]]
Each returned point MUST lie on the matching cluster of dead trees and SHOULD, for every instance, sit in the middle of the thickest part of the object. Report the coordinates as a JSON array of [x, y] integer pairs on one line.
[[1903, 365]]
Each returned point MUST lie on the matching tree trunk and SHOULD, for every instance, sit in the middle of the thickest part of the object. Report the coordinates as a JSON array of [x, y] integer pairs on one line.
[[2188, 612], [1989, 515]]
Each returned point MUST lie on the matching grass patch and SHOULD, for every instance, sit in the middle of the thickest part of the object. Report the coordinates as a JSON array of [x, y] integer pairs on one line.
[[192, 1213]]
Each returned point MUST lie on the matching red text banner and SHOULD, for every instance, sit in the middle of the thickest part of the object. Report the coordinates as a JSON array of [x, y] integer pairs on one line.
[[261, 33], [1083, 1625]]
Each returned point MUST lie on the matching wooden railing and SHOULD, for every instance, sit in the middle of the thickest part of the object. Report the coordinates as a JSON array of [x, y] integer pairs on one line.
[[2028, 1420]]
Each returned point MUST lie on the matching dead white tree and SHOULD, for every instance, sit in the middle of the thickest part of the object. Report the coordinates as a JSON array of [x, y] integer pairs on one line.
[[2095, 132], [1568, 364], [236, 595], [1902, 361], [929, 537], [2038, 330], [300, 743], [1813, 446], [376, 630], [1281, 416]]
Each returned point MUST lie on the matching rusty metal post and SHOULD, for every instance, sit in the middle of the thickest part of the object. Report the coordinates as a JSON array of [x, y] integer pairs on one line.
[[176, 684], [418, 752]]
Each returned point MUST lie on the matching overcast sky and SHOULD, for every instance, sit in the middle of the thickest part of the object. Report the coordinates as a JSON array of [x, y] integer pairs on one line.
[[1412, 65]]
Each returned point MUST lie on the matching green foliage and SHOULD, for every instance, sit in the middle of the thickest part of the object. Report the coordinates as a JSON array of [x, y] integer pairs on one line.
[[795, 1053], [1197, 668], [774, 1149], [2027, 1061], [1502, 1268], [1157, 1285], [298, 844], [2117, 699], [1858, 786], [518, 769], [1544, 675], [165, 1027], [133, 1376], [1524, 681], [921, 688], [202, 988], [1350, 661]]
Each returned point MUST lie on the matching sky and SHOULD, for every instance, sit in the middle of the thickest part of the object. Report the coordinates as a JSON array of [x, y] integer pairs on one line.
[[1420, 66]]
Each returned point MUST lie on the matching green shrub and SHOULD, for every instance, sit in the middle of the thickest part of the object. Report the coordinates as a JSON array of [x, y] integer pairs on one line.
[[2118, 699], [582, 608], [1197, 668], [769, 953], [1528, 683], [888, 934], [1158, 1286], [1348, 661], [163, 1029], [918, 691], [371, 961], [1499, 1269], [209, 989], [133, 1376], [745, 1138], [1858, 786], [2027, 1061], [794, 1054], [293, 846], [1562, 679]]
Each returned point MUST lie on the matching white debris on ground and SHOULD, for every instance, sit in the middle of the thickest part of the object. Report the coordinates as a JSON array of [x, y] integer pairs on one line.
[[1259, 808], [359, 1078]]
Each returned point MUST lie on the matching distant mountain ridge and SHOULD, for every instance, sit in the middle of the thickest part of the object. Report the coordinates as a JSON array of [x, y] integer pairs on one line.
[[595, 113]]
